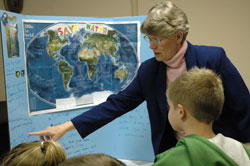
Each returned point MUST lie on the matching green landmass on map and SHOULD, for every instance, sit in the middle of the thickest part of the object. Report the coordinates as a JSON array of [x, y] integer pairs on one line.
[[55, 42], [104, 43], [91, 57], [66, 71], [98, 43], [121, 73]]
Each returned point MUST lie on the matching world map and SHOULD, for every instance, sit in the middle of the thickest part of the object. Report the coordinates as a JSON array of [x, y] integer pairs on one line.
[[72, 64]]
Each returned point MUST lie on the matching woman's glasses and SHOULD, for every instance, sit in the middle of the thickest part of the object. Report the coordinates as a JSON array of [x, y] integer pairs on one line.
[[154, 40]]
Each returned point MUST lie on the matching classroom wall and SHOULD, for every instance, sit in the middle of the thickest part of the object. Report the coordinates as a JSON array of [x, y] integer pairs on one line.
[[222, 23]]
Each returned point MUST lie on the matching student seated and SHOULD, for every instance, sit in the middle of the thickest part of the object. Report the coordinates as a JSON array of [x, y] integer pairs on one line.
[[46, 153], [195, 101], [92, 160]]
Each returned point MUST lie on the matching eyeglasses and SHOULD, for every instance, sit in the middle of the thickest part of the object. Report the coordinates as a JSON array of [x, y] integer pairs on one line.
[[154, 40]]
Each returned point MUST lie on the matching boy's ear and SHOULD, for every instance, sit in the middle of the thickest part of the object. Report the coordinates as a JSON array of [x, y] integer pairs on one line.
[[182, 111]]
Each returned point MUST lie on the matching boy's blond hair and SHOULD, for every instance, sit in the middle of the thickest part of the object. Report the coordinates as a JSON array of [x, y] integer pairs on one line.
[[47, 153], [201, 92]]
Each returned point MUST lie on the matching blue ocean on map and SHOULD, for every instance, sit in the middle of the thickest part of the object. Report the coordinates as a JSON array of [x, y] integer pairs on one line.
[[67, 60]]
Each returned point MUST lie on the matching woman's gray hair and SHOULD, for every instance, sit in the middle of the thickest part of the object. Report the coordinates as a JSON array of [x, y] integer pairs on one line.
[[165, 19]]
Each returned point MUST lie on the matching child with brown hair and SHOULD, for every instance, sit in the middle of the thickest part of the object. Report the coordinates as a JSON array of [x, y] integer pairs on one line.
[[92, 160], [46, 153], [195, 101]]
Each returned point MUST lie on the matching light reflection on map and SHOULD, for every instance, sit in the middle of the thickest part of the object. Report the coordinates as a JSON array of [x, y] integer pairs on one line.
[[72, 64]]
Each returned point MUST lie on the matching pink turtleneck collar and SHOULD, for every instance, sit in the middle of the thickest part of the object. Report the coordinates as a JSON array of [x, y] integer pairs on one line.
[[177, 64]]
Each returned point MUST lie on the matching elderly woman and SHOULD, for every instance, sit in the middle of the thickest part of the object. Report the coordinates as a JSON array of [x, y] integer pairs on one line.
[[166, 28]]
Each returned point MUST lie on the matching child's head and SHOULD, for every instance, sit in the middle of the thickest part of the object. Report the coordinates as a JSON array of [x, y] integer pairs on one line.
[[47, 153], [93, 160], [200, 91]]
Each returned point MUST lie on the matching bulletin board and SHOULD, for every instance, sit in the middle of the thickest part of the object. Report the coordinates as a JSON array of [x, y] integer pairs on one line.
[[58, 67]]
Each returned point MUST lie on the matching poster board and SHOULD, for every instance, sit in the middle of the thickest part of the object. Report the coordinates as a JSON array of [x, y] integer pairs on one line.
[[127, 137]]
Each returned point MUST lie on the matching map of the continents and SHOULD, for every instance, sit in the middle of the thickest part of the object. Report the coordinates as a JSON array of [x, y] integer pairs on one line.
[[74, 65]]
